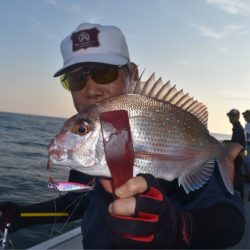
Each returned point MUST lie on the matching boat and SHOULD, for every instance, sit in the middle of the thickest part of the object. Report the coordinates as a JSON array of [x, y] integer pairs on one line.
[[73, 238], [68, 240]]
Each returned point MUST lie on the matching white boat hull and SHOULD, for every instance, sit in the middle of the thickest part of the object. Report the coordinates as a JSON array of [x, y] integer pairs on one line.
[[68, 240]]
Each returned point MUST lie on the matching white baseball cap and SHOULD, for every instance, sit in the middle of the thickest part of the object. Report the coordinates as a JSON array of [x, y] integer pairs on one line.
[[93, 43]]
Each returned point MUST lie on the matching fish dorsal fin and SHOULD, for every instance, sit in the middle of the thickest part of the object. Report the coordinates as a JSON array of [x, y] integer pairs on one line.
[[197, 178], [164, 91]]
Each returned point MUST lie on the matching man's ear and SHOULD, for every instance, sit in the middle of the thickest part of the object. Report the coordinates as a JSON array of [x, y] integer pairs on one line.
[[134, 73]]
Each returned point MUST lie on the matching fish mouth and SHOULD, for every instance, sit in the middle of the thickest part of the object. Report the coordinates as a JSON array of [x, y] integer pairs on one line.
[[65, 157], [59, 156]]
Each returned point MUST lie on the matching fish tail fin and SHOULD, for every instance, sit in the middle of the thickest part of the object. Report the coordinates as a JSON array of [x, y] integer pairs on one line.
[[230, 150]]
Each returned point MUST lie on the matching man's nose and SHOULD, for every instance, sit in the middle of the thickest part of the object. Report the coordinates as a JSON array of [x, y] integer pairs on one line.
[[92, 89]]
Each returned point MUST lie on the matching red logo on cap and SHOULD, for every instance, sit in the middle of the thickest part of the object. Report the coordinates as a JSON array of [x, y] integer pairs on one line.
[[85, 38]]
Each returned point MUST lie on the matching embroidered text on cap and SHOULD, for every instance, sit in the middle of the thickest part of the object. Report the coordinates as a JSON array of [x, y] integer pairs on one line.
[[84, 39]]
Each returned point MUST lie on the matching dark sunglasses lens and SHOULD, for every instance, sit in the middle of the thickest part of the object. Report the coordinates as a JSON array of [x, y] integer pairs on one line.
[[73, 81], [105, 75], [77, 80]]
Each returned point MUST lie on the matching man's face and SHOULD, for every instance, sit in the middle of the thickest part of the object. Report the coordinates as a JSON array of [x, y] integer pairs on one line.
[[93, 92], [246, 117], [234, 118]]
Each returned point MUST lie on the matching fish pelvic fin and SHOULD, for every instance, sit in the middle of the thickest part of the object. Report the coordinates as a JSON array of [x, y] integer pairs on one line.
[[230, 150], [164, 91], [196, 179]]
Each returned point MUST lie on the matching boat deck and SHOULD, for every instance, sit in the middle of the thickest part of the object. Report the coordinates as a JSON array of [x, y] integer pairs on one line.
[[68, 240]]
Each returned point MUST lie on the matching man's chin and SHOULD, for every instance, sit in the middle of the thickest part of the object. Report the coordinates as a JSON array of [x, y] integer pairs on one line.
[[107, 184]]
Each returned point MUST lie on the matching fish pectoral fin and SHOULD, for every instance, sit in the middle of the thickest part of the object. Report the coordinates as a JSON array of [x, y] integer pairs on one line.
[[196, 179], [230, 151]]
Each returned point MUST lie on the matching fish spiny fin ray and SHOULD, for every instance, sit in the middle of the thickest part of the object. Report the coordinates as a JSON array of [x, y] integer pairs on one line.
[[137, 86], [165, 92], [166, 85], [198, 178]]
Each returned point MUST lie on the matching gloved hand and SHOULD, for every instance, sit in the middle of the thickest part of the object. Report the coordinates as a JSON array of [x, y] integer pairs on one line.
[[9, 213], [155, 224]]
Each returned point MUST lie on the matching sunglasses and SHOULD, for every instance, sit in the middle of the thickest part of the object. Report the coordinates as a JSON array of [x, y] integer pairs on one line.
[[101, 74]]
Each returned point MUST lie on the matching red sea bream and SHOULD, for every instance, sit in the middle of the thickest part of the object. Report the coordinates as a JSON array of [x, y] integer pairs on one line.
[[169, 134]]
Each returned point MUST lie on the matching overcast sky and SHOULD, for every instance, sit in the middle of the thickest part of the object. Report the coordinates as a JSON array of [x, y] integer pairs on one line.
[[202, 46]]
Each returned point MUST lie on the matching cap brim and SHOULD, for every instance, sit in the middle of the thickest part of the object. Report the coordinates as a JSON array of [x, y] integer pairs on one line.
[[231, 115], [93, 58]]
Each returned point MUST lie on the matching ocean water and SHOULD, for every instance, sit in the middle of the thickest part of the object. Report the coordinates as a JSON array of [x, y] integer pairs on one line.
[[24, 178], [23, 159]]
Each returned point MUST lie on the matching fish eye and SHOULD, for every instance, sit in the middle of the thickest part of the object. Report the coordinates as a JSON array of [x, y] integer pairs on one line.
[[82, 128]]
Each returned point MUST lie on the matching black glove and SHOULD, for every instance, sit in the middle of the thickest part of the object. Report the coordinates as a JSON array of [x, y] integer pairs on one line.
[[156, 224], [10, 213]]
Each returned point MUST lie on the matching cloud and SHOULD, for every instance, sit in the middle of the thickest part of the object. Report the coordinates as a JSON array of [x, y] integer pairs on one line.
[[225, 31], [209, 32], [77, 9], [52, 2], [232, 6], [235, 27], [239, 29], [38, 28], [70, 8]]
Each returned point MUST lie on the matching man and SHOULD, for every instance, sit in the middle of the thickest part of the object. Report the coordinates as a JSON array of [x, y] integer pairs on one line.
[[238, 136], [148, 213], [246, 116]]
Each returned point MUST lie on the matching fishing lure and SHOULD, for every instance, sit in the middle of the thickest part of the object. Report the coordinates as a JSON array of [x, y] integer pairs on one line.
[[64, 186]]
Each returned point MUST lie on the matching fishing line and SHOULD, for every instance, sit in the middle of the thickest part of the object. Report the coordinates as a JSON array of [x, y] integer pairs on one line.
[[62, 187], [60, 230], [71, 214]]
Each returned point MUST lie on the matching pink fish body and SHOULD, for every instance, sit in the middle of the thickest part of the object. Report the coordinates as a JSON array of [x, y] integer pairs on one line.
[[169, 134]]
